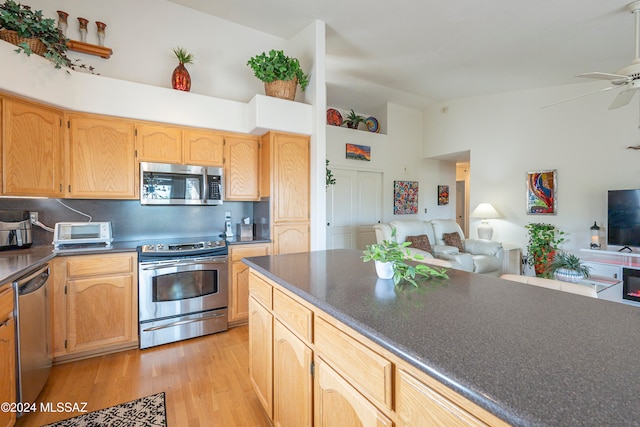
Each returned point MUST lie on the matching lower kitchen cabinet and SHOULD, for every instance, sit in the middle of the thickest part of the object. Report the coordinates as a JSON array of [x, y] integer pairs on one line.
[[261, 353], [7, 354], [292, 380], [95, 304], [290, 238], [337, 403], [239, 278]]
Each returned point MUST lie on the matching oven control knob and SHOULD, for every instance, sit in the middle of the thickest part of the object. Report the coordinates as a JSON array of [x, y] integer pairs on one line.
[[160, 247], [209, 243], [150, 247]]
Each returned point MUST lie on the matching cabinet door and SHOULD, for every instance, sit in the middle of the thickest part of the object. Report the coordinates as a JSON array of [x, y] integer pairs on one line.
[[239, 295], [7, 354], [241, 168], [32, 147], [290, 174], [419, 405], [202, 148], [337, 403], [292, 381], [158, 143], [261, 354], [99, 312], [101, 158], [290, 238]]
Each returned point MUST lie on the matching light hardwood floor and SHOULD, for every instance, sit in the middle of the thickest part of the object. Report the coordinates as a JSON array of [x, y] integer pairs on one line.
[[205, 380]]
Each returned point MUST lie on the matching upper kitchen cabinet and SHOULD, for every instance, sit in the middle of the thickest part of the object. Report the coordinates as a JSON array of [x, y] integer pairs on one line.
[[32, 147], [159, 143], [241, 168], [101, 158], [202, 147]]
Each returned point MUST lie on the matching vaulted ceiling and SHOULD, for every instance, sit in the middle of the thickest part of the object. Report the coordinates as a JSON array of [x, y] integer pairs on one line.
[[416, 51]]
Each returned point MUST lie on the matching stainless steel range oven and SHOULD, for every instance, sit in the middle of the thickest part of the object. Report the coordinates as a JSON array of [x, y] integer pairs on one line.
[[183, 290]]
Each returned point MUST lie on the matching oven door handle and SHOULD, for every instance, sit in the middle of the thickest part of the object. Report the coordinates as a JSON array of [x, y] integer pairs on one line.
[[184, 322]]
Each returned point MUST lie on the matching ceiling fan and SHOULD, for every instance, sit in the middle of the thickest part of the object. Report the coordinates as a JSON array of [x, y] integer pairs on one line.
[[627, 78]]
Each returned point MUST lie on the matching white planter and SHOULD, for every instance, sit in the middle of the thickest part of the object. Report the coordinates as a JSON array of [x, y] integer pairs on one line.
[[567, 275], [384, 269]]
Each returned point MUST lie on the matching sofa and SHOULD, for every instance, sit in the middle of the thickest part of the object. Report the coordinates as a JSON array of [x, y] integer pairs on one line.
[[446, 241]]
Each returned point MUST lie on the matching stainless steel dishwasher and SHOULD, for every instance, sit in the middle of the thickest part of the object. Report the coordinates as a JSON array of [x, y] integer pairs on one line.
[[34, 341]]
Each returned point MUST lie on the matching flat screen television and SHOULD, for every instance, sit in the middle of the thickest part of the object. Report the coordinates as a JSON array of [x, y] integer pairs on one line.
[[623, 218]]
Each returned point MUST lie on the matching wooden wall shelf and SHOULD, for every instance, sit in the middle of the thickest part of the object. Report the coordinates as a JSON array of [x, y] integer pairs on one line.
[[91, 49]]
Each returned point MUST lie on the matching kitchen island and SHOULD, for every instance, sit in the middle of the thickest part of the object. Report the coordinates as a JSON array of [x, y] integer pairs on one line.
[[528, 355]]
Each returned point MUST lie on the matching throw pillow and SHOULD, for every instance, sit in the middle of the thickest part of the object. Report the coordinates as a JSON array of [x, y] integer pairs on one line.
[[453, 239], [420, 242]]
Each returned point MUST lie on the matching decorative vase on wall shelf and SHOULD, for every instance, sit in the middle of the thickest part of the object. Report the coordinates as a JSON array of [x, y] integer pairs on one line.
[[62, 21], [83, 29], [101, 31], [181, 79]]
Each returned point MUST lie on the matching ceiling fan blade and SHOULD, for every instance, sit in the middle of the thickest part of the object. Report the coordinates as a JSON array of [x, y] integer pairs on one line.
[[579, 96], [623, 98], [604, 76]]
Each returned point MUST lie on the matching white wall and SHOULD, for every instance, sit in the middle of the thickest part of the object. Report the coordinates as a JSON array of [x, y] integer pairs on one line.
[[143, 34], [398, 154], [509, 134]]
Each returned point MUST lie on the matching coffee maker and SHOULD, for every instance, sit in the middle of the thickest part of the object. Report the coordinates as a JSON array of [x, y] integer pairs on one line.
[[15, 230]]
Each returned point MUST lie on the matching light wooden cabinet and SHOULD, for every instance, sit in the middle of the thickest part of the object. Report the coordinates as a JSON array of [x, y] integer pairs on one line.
[[95, 304], [7, 354], [285, 178], [241, 168], [32, 149], [261, 353], [419, 405], [292, 380], [202, 147], [337, 403], [101, 158], [239, 278], [158, 143]]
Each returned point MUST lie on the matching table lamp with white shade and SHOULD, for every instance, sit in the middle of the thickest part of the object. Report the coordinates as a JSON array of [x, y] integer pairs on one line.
[[485, 211]]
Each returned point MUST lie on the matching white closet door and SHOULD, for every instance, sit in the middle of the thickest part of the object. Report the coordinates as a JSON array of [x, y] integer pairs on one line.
[[354, 204]]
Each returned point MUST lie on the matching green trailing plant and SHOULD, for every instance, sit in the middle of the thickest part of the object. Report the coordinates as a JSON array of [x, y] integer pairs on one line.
[[183, 56], [330, 179], [29, 23], [567, 261], [277, 66], [398, 254], [353, 120], [544, 240]]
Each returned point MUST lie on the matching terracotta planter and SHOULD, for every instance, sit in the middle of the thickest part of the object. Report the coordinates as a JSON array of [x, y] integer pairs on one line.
[[541, 262], [180, 79]]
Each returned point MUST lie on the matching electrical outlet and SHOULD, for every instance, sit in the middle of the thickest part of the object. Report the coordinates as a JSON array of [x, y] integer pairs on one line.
[[34, 217]]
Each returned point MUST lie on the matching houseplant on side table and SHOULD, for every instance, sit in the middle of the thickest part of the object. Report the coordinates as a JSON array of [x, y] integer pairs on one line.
[[280, 74], [568, 268], [390, 258], [544, 240]]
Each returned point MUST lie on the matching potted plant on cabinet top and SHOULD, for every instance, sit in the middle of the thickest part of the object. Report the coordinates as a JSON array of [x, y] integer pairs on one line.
[[32, 33], [180, 79], [544, 240], [280, 74], [390, 257], [568, 267], [353, 120]]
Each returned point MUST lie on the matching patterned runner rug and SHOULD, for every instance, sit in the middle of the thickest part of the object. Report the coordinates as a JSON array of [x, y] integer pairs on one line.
[[145, 412]]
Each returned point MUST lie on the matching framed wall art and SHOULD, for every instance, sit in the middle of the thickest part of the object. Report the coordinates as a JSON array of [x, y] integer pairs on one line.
[[358, 152], [541, 192], [443, 194], [405, 197]]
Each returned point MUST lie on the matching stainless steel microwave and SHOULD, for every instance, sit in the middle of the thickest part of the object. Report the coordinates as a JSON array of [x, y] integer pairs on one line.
[[169, 184]]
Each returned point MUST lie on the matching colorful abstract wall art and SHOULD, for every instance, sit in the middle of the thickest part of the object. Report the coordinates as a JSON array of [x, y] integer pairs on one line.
[[359, 152], [541, 192], [443, 194], [405, 197]]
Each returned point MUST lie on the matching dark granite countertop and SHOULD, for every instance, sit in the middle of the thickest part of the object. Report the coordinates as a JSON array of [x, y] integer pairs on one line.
[[530, 355], [15, 263]]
